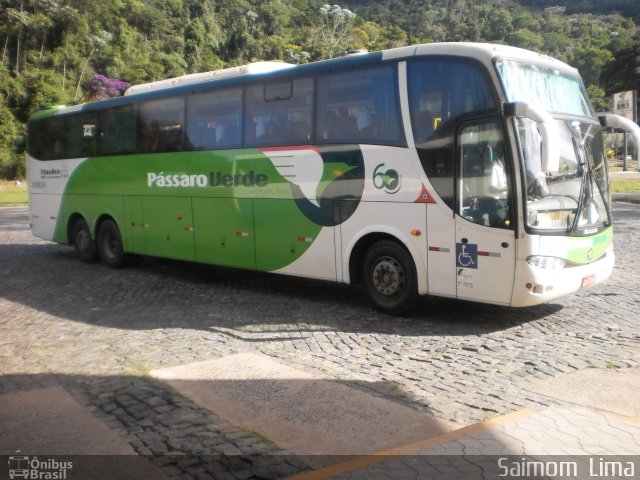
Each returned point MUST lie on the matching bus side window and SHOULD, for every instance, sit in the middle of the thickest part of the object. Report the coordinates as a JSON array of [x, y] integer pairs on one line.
[[53, 138], [279, 113], [214, 119], [117, 131], [81, 135], [360, 106], [161, 125]]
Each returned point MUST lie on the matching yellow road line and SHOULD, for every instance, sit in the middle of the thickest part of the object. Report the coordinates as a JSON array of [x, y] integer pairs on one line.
[[619, 416], [411, 448]]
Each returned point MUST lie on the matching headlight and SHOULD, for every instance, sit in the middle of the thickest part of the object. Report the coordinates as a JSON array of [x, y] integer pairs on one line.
[[553, 263]]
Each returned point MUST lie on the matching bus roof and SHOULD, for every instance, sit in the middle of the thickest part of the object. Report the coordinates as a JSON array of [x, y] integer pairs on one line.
[[483, 52], [252, 68], [488, 52]]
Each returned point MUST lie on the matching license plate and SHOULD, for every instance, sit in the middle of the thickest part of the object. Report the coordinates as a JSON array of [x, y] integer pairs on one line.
[[589, 281]]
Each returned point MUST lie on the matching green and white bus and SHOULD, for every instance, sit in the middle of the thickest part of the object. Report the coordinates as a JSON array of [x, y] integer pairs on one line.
[[462, 170]]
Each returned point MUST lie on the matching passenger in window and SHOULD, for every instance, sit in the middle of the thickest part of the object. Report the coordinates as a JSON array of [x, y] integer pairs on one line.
[[150, 136], [365, 125]]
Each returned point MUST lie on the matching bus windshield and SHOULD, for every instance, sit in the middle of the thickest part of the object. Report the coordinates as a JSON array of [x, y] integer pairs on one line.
[[574, 199], [548, 88]]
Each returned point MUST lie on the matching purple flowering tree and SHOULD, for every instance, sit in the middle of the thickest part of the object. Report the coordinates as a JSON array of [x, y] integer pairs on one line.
[[101, 87]]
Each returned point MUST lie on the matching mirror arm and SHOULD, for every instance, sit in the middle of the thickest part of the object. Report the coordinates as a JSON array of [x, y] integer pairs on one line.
[[622, 123]]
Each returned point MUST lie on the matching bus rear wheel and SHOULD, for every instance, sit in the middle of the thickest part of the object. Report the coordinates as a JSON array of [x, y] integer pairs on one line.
[[110, 245], [389, 277], [85, 246]]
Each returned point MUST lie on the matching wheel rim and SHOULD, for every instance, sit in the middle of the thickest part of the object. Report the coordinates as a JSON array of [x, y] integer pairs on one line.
[[83, 240], [388, 277], [112, 245]]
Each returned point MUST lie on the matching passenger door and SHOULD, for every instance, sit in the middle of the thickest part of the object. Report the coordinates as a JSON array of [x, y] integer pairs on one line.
[[484, 224]]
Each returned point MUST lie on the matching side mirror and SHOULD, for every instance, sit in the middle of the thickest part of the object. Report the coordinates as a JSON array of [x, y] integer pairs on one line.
[[550, 161]]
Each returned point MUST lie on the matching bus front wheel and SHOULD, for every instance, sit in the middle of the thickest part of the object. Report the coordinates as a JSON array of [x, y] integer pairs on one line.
[[389, 277], [110, 245], [85, 246]]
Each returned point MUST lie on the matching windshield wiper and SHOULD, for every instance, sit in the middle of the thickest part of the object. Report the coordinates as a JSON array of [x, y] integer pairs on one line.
[[585, 177], [587, 181]]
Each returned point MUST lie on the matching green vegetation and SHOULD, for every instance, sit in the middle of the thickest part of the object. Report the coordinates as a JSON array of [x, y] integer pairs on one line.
[[71, 51], [12, 194], [625, 185]]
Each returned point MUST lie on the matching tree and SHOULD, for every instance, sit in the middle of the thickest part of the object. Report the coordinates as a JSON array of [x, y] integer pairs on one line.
[[623, 73], [96, 42], [525, 38], [335, 28], [591, 61], [598, 98], [101, 87], [16, 21], [11, 164]]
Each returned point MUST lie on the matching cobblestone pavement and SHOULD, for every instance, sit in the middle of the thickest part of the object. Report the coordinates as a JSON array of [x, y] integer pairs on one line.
[[98, 332]]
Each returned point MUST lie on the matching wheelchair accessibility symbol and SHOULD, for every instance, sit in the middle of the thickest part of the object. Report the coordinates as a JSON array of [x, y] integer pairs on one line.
[[467, 255]]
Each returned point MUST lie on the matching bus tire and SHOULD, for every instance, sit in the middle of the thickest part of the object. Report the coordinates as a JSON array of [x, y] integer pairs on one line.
[[85, 246], [110, 245], [389, 277]]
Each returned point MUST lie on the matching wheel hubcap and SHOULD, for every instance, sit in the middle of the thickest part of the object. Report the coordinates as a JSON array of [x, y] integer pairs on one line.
[[112, 245], [83, 239], [388, 277]]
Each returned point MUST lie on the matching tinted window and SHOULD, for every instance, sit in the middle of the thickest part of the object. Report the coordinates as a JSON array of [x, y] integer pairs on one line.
[[359, 107], [279, 113], [46, 138], [117, 130], [81, 135], [215, 119], [161, 125], [443, 92]]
